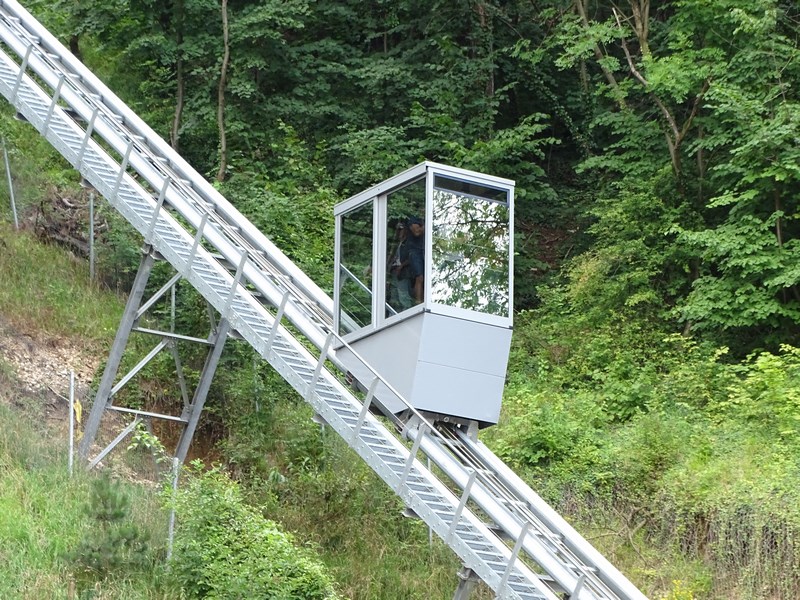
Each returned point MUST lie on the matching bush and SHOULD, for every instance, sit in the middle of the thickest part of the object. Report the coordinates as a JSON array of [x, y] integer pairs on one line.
[[766, 395], [225, 549]]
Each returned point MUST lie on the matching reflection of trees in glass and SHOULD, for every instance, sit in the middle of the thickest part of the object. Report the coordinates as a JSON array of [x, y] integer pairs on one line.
[[355, 273], [470, 252]]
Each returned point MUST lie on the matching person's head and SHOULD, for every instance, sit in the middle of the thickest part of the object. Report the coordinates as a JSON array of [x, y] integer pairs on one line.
[[416, 226], [400, 230]]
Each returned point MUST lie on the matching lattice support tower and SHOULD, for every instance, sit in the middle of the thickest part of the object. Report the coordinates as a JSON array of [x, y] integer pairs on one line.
[[135, 309]]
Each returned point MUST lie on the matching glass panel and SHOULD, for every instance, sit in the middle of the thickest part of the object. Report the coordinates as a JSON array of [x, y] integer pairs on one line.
[[405, 248], [355, 270], [470, 246]]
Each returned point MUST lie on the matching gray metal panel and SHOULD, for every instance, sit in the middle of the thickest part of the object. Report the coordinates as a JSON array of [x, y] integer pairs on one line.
[[392, 352], [438, 363], [452, 391], [465, 344]]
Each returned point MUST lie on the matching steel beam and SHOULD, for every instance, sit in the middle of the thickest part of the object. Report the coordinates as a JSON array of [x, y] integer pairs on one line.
[[467, 580], [115, 356], [196, 407]]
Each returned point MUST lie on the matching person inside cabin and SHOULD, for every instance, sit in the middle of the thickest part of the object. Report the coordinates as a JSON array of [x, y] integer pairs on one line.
[[398, 294], [416, 259]]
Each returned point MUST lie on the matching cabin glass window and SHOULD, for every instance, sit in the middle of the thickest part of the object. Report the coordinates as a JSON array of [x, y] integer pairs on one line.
[[470, 246], [356, 269], [405, 247]]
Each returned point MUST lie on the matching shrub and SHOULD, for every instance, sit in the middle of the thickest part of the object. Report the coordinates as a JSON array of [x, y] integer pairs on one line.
[[226, 549], [767, 395]]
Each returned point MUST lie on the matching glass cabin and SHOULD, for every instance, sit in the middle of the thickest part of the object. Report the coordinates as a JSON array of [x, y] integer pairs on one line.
[[423, 289]]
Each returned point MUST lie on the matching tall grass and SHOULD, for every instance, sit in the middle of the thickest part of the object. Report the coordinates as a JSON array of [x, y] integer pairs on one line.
[[43, 517], [46, 289]]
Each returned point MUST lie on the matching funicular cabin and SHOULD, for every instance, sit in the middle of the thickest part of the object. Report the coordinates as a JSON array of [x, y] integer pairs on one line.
[[423, 290]]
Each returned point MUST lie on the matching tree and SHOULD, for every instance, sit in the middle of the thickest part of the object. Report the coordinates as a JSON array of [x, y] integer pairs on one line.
[[113, 545], [722, 249]]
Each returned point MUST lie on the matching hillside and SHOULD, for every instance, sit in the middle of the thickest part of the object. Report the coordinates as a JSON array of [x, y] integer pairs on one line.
[[653, 393]]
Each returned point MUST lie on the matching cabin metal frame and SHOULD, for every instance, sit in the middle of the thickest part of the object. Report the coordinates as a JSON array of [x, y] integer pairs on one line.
[[447, 355]]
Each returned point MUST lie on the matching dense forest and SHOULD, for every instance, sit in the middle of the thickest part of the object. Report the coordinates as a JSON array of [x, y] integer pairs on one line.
[[654, 389]]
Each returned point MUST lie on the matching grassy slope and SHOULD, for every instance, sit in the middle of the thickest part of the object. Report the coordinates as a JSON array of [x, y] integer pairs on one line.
[[44, 289], [42, 515], [679, 463], [41, 508]]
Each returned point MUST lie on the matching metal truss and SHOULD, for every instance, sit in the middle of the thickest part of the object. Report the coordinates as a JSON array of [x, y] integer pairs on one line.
[[135, 310]]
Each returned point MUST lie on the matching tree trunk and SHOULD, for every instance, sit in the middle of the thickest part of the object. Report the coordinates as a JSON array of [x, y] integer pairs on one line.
[[75, 47], [486, 26], [174, 135], [223, 78], [580, 8]]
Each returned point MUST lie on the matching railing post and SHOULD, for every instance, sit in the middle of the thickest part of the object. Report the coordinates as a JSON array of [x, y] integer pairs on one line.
[[237, 278], [421, 431], [364, 408], [122, 168], [87, 137], [53, 104], [462, 503], [197, 237], [22, 68], [576, 593], [148, 238], [322, 358], [278, 318], [514, 554]]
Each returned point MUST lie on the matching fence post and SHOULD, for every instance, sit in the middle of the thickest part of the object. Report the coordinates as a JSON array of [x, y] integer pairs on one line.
[[71, 420], [10, 185], [176, 465], [91, 236]]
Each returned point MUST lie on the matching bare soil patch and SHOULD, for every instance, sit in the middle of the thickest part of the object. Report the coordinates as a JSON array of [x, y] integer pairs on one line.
[[40, 366]]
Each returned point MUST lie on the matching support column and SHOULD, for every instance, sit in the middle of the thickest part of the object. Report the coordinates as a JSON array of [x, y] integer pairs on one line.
[[467, 582], [115, 356], [201, 392]]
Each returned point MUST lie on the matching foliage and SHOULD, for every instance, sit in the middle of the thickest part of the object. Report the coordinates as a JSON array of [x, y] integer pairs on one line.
[[292, 203], [767, 393], [225, 549], [113, 543], [662, 434], [722, 249], [315, 485]]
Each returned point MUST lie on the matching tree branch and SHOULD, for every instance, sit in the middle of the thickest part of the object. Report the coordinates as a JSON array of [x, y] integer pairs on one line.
[[641, 21], [695, 108], [598, 53]]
